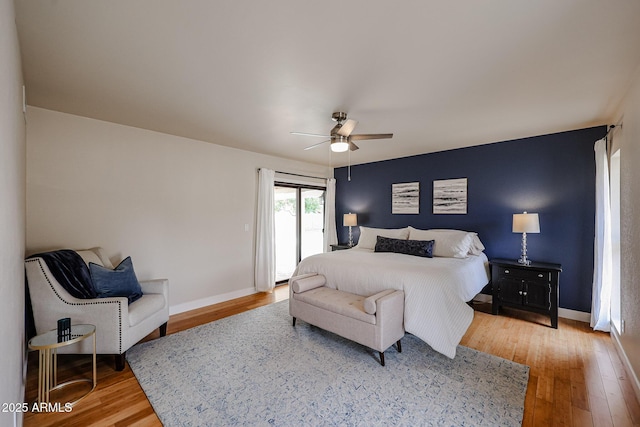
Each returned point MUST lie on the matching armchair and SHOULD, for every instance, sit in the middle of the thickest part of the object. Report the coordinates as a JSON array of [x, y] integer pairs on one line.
[[119, 325]]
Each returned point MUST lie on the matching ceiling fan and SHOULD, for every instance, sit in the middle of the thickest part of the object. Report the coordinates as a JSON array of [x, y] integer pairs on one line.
[[341, 137]]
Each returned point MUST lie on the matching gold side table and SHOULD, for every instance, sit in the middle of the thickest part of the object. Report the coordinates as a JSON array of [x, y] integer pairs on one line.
[[47, 345]]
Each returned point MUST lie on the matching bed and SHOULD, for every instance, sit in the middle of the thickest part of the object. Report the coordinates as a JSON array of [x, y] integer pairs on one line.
[[436, 289]]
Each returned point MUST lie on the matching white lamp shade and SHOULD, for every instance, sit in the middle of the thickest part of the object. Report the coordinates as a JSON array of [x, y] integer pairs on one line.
[[526, 223], [350, 219]]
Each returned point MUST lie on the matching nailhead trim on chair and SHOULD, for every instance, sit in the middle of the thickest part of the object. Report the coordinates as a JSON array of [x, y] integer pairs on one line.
[[38, 260]]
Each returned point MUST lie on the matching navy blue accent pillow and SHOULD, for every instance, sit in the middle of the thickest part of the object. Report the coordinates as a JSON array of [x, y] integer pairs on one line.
[[423, 248], [119, 282]]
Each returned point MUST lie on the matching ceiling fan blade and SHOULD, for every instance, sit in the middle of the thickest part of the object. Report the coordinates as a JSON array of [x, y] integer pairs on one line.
[[353, 146], [315, 145], [371, 136], [347, 127], [310, 134]]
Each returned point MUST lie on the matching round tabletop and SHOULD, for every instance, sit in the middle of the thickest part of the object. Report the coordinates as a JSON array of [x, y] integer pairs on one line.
[[49, 340]]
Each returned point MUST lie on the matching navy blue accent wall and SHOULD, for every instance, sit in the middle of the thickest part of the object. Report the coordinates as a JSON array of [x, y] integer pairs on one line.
[[553, 175]]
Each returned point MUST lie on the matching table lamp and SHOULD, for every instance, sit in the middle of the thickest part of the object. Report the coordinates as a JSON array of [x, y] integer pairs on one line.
[[525, 223], [350, 220]]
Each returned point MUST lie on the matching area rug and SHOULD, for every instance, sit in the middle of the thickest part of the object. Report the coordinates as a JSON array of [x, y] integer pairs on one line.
[[256, 369]]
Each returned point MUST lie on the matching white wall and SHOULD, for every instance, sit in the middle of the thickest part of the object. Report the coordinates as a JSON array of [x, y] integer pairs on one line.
[[12, 211], [628, 140], [177, 206]]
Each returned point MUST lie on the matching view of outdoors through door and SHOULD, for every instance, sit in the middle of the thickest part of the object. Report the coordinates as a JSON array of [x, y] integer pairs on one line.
[[299, 222]]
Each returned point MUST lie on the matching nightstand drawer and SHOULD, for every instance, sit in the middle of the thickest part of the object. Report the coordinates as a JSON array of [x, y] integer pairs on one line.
[[524, 274], [340, 247]]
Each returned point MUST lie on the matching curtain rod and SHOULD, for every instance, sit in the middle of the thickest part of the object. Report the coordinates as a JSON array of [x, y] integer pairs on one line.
[[297, 174], [612, 128]]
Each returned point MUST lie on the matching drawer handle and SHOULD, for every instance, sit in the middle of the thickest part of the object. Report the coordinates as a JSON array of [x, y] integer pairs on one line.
[[523, 293], [541, 275], [506, 271], [520, 292]]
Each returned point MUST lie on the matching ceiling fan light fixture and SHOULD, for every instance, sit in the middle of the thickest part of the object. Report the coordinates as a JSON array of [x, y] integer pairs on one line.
[[339, 144], [341, 136]]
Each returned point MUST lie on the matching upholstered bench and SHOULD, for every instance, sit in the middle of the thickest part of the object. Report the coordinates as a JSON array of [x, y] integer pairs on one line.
[[375, 321]]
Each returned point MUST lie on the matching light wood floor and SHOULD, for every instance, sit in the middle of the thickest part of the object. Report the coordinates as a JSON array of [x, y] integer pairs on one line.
[[576, 376]]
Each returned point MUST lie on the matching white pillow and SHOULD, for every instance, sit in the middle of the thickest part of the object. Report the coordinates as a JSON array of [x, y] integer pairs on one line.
[[369, 236], [447, 243], [90, 256], [476, 247], [95, 255]]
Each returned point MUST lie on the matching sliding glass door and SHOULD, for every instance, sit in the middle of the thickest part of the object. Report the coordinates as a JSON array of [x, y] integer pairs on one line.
[[299, 223], [312, 222], [286, 219]]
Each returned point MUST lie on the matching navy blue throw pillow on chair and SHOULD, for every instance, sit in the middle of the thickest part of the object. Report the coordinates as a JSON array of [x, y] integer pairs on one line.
[[119, 282]]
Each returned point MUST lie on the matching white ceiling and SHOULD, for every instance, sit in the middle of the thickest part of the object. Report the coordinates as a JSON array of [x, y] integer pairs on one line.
[[438, 74]]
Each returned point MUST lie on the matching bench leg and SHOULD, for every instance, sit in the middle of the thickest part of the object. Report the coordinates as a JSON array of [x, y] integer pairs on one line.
[[399, 346], [381, 357], [294, 321]]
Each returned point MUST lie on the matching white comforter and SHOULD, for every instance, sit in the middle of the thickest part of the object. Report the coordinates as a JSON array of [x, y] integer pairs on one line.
[[435, 288]]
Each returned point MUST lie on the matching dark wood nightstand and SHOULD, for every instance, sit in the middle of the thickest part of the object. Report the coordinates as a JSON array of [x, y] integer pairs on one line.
[[339, 247], [526, 287]]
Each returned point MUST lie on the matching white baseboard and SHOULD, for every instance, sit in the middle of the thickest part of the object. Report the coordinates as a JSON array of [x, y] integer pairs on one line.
[[580, 316], [565, 313], [203, 302], [615, 337]]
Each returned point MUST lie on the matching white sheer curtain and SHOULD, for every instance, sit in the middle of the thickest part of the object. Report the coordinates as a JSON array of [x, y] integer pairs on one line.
[[330, 234], [265, 272], [602, 272]]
